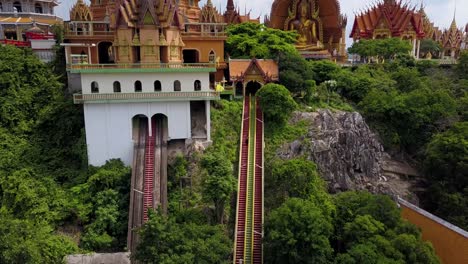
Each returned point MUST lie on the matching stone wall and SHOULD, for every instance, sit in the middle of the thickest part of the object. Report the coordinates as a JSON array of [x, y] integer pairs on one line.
[[99, 258]]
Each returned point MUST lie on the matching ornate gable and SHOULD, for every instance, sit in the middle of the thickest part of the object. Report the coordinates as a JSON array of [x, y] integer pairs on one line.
[[81, 12]]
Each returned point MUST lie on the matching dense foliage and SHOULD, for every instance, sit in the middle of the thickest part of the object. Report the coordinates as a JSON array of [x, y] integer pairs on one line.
[[251, 40], [355, 227], [380, 49], [276, 102], [50, 202], [165, 239]]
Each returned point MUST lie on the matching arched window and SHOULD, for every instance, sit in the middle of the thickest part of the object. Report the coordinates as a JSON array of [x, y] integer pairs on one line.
[[117, 88], [157, 86], [1, 7], [212, 57], [138, 87], [197, 85], [17, 7], [38, 8], [94, 87], [177, 87]]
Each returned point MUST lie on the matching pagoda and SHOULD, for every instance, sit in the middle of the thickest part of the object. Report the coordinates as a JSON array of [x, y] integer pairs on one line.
[[320, 26], [233, 16], [390, 19], [451, 40], [28, 24]]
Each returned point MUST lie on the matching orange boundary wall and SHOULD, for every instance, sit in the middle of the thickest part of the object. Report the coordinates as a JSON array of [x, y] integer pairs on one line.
[[450, 242]]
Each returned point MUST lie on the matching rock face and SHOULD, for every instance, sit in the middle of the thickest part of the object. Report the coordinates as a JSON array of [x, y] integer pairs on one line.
[[348, 154]]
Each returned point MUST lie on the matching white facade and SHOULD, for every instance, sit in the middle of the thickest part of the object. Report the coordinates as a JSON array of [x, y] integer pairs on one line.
[[109, 127], [109, 123], [127, 82]]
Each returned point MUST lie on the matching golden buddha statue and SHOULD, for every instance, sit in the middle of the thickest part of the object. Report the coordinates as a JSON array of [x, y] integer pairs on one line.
[[306, 26]]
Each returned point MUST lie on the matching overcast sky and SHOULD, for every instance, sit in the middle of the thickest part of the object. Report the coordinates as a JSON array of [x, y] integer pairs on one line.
[[439, 11]]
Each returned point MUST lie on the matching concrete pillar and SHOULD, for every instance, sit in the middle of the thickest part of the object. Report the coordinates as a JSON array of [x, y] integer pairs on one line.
[[89, 54], [150, 126], [419, 49], [208, 120], [414, 47]]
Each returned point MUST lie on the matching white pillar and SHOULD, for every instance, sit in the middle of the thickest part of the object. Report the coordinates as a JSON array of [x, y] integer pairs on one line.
[[419, 49], [89, 54], [414, 47], [208, 120]]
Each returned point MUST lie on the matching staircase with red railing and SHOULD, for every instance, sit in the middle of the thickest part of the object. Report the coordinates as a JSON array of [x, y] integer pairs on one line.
[[249, 216], [258, 200], [242, 184], [149, 177]]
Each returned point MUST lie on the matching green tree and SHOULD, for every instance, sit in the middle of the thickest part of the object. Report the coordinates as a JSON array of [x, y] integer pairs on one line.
[[31, 241], [219, 182], [253, 40], [276, 103], [163, 240], [294, 72], [101, 205], [446, 166], [429, 46], [462, 66], [28, 89], [381, 49], [297, 232], [296, 178]]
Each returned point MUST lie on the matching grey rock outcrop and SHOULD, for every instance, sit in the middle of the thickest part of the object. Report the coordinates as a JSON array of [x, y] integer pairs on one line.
[[348, 154]]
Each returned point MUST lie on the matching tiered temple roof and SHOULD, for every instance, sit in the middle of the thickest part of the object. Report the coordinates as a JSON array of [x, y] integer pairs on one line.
[[452, 38], [233, 16], [389, 18]]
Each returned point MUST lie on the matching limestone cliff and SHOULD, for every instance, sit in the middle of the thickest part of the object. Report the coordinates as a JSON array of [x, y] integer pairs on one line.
[[348, 154]]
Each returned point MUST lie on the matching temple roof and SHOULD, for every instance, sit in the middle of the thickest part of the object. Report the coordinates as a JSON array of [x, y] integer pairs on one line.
[[239, 68], [453, 37], [29, 20], [389, 14]]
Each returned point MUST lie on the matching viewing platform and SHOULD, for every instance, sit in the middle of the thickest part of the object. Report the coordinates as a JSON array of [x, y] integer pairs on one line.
[[141, 67], [82, 29], [146, 97], [205, 30]]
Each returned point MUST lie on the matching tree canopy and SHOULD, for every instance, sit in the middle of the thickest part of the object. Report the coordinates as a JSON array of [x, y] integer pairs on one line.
[[252, 40], [381, 49], [276, 103]]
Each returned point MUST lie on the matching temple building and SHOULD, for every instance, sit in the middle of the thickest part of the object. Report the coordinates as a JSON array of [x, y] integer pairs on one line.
[[145, 73], [233, 16], [249, 75], [319, 24], [28, 24], [143, 58], [392, 19], [452, 40]]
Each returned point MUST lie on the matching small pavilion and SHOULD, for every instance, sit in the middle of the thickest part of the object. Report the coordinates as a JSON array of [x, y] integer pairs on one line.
[[248, 76]]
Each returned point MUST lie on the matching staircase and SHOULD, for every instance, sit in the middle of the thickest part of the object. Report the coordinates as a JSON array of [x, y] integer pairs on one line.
[[258, 190], [149, 177], [242, 184], [249, 221]]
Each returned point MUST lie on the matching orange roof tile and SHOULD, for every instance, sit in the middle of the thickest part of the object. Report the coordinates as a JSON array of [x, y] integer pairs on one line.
[[238, 68]]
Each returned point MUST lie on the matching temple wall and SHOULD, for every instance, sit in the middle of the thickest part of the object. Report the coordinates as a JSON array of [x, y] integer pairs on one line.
[[127, 81], [109, 127], [449, 241]]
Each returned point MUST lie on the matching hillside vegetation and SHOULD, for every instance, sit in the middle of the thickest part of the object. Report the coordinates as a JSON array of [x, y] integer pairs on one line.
[[53, 204]]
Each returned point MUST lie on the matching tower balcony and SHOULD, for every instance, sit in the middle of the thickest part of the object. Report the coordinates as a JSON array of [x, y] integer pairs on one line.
[[87, 29], [145, 97], [205, 30]]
